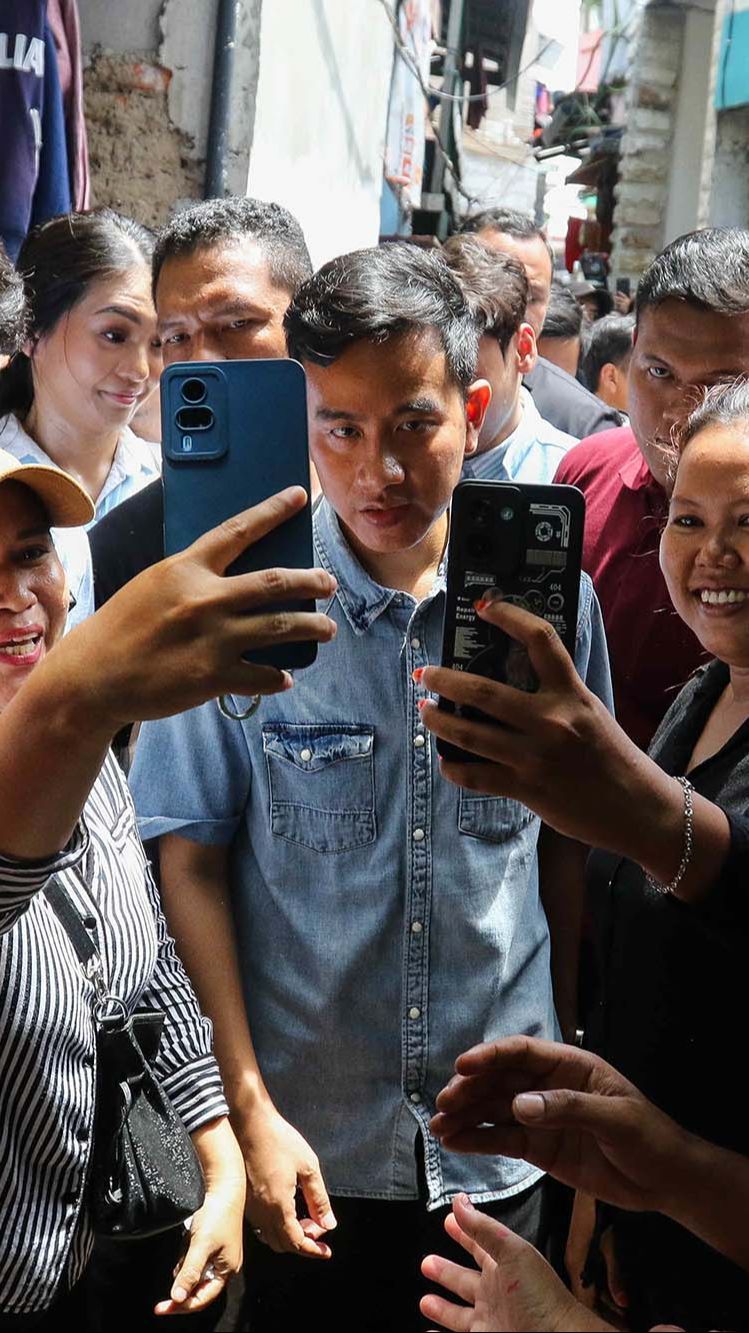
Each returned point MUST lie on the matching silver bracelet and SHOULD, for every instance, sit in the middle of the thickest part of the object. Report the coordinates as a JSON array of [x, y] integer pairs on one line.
[[686, 855], [226, 709]]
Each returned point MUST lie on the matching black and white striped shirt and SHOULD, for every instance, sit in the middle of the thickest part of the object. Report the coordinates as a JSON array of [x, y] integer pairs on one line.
[[47, 1036]]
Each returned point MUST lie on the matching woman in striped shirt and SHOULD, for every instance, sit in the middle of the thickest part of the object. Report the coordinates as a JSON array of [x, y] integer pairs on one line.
[[170, 640]]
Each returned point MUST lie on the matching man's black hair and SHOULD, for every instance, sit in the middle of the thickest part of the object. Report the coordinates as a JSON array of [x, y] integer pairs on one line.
[[495, 284], [12, 307], [378, 294], [608, 341], [708, 269], [509, 222], [564, 317], [220, 221]]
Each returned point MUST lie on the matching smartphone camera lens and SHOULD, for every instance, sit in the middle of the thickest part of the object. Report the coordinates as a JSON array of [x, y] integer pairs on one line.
[[194, 418], [193, 390], [507, 514], [483, 514]]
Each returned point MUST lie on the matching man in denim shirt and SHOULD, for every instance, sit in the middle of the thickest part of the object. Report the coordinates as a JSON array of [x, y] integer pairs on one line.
[[352, 921]]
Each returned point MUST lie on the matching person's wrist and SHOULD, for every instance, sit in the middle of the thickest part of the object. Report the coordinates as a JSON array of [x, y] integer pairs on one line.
[[691, 1177], [250, 1105], [217, 1148]]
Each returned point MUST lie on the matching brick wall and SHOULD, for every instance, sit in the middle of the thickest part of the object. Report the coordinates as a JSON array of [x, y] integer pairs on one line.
[[645, 161]]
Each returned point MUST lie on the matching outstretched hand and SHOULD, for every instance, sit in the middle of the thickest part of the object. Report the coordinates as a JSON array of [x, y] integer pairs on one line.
[[513, 1287], [566, 1111], [174, 636]]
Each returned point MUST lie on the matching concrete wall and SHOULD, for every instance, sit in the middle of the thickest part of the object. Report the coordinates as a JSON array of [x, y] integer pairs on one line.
[[147, 87], [320, 117], [645, 162], [679, 170], [729, 205], [694, 124]]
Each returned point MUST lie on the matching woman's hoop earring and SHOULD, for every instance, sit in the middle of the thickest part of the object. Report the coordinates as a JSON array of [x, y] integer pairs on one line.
[[227, 711]]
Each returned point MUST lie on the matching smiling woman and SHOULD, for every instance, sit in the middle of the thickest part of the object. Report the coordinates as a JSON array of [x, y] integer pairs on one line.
[[670, 932], [90, 360]]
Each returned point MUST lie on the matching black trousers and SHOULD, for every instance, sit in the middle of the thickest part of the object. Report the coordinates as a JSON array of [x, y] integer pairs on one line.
[[373, 1281]]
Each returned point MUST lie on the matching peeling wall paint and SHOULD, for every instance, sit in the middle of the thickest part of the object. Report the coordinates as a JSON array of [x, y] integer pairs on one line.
[[147, 88], [140, 163]]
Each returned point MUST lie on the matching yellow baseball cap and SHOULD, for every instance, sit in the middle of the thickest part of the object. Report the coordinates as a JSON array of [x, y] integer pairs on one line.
[[67, 504]]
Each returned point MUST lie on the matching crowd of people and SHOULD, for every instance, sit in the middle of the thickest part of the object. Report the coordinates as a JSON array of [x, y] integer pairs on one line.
[[433, 1026]]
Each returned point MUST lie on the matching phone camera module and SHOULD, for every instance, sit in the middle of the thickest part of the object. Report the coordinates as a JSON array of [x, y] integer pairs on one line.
[[479, 546], [194, 418], [483, 514], [193, 390], [507, 514]]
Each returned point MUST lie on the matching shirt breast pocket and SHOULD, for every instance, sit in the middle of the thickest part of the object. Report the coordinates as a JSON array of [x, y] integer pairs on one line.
[[494, 818], [321, 784]]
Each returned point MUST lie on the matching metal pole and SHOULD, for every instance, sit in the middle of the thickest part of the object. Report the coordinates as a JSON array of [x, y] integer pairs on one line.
[[218, 125], [454, 50]]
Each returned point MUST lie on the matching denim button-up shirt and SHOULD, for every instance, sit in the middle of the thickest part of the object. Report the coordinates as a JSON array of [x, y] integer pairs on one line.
[[386, 920]]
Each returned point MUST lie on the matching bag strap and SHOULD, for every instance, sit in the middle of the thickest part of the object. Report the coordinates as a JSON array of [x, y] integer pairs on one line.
[[80, 938]]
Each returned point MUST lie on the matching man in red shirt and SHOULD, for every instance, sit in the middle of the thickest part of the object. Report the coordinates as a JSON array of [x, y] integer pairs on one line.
[[692, 330]]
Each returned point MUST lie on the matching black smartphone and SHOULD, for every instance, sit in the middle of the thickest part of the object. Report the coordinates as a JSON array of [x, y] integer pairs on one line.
[[624, 286], [523, 541], [233, 434]]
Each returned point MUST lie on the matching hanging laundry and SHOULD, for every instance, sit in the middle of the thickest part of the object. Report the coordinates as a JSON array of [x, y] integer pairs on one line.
[[34, 173], [62, 16]]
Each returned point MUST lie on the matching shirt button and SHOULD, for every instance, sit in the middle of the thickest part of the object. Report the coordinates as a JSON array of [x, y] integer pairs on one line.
[[82, 1135], [419, 835], [416, 643], [88, 1062], [414, 1013], [416, 927], [415, 1098], [419, 742], [305, 756]]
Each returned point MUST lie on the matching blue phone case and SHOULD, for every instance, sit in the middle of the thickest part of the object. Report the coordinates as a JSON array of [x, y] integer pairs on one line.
[[233, 434]]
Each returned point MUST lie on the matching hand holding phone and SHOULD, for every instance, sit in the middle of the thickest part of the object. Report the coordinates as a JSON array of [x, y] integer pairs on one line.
[[235, 433], [524, 542]]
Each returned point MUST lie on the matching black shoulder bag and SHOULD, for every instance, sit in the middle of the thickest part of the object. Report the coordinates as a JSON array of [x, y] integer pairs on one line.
[[145, 1176]]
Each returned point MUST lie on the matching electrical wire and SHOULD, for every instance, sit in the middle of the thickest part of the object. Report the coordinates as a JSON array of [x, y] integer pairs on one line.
[[456, 97]]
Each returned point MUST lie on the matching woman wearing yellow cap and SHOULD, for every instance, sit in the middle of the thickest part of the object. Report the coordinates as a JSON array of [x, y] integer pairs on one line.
[[173, 638]]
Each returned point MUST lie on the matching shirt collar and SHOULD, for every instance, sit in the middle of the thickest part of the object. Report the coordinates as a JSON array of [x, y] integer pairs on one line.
[[132, 458], [635, 473], [362, 599], [525, 432]]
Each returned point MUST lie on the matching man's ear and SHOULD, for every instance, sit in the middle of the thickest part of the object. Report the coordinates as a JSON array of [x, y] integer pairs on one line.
[[526, 349], [478, 398], [610, 381]]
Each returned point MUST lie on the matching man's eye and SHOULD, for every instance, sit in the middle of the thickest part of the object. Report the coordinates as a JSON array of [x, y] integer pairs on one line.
[[239, 324], [343, 432], [685, 521], [114, 336], [418, 424], [174, 339], [658, 372]]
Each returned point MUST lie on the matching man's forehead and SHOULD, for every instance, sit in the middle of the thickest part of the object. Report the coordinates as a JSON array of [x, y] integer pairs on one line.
[[531, 251], [697, 341], [237, 266], [379, 377]]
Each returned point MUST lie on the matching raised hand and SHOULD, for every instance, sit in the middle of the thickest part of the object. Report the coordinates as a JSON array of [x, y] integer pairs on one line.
[[174, 636], [512, 1287], [568, 1112]]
